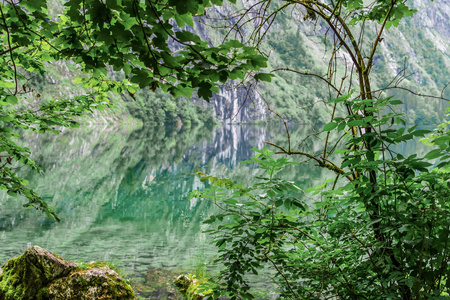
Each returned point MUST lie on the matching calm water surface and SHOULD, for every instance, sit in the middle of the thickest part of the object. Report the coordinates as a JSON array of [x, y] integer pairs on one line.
[[122, 195]]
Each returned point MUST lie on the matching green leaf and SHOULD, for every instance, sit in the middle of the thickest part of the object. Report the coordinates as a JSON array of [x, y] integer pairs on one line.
[[186, 36], [433, 154], [342, 98], [261, 230], [442, 140], [420, 132], [396, 102], [412, 128], [356, 123], [264, 77], [258, 61], [341, 126], [12, 194], [11, 99], [7, 84], [185, 19], [6, 118], [205, 91], [330, 126]]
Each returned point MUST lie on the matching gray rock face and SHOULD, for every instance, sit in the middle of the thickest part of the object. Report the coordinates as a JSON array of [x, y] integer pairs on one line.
[[434, 15], [40, 274]]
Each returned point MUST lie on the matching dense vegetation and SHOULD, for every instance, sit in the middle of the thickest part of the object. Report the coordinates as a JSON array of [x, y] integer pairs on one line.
[[57, 80], [380, 227]]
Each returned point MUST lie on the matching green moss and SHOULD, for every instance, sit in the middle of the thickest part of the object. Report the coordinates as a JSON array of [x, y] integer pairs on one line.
[[103, 265], [182, 282], [10, 280], [192, 288], [38, 277], [82, 279], [43, 294], [94, 264]]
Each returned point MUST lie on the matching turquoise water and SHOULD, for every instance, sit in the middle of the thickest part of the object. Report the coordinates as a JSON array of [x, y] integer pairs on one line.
[[122, 195]]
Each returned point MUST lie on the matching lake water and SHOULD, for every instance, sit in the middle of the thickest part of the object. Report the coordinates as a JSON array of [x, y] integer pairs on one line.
[[122, 195]]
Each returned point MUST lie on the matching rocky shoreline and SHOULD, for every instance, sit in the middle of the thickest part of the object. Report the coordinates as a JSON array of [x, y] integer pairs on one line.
[[39, 274]]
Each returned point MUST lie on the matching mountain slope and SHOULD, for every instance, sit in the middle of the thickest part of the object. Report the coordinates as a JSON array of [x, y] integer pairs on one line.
[[416, 54]]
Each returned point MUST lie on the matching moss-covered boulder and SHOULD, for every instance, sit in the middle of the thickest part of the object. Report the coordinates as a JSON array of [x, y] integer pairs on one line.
[[39, 274]]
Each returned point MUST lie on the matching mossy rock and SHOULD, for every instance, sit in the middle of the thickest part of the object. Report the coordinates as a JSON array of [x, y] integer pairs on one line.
[[39, 274], [189, 285], [93, 283], [182, 282]]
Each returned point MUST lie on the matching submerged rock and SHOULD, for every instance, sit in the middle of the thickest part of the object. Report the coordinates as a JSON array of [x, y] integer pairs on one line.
[[157, 285], [39, 274]]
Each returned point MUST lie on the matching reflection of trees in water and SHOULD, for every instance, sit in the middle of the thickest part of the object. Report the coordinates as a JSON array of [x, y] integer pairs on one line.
[[160, 146], [96, 166], [122, 195], [85, 172], [79, 164]]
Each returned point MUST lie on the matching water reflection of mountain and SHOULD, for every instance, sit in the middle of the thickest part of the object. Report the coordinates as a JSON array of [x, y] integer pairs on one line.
[[100, 178]]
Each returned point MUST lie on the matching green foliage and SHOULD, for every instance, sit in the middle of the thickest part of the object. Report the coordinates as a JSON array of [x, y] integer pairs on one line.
[[358, 241], [158, 107], [379, 229], [46, 118]]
